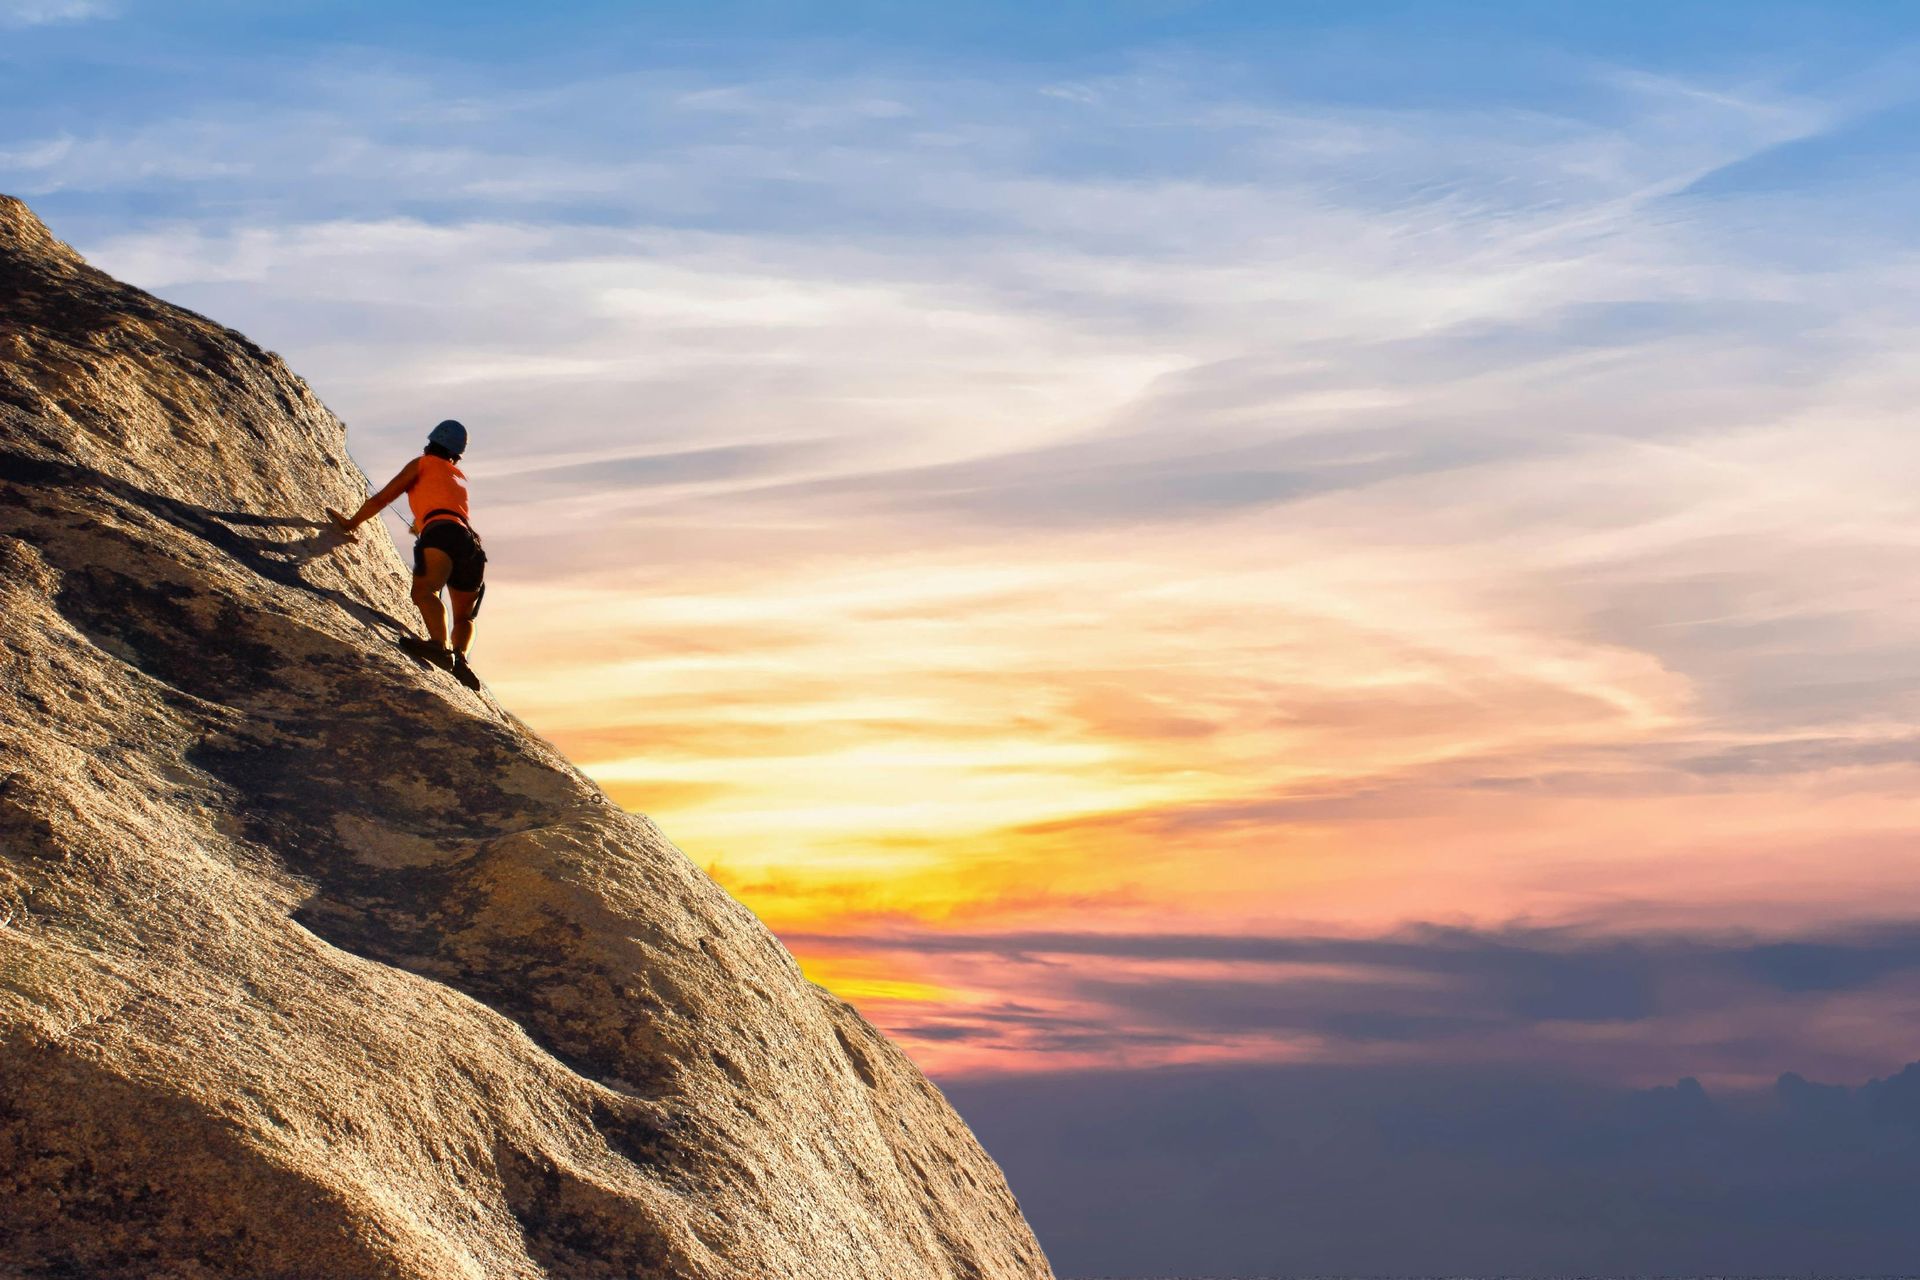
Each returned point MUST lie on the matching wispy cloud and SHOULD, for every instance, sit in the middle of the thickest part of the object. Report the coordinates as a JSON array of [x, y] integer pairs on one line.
[[1606, 1004], [38, 13], [1287, 513]]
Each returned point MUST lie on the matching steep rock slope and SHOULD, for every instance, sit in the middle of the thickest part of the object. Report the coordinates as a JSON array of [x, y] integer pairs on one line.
[[315, 964]]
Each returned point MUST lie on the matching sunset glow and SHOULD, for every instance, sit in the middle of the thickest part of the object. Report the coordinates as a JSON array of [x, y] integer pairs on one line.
[[1153, 553]]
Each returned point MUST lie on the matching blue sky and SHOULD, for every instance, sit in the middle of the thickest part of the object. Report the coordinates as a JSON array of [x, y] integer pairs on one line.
[[1159, 539]]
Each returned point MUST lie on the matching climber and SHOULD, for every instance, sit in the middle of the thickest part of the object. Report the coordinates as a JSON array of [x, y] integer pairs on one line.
[[446, 551]]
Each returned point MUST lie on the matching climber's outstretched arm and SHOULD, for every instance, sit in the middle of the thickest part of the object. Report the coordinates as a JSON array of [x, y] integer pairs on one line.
[[372, 506]]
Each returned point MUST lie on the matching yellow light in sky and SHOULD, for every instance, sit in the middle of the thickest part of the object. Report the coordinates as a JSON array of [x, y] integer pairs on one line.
[[978, 737], [1275, 722]]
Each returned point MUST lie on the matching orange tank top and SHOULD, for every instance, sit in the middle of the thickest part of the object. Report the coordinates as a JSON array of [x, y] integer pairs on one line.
[[439, 488]]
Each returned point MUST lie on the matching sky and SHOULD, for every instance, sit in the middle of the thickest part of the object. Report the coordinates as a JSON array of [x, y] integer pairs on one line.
[[1171, 550]]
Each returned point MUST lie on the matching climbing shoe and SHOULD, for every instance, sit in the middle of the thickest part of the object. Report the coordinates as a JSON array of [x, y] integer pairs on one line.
[[427, 651]]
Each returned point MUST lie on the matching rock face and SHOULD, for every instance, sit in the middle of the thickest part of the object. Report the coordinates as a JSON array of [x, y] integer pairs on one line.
[[314, 963]]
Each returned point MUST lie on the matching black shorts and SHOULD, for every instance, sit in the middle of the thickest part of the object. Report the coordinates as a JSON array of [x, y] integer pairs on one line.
[[462, 546]]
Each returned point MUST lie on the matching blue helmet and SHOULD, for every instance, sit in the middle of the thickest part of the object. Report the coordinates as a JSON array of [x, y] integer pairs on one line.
[[450, 436]]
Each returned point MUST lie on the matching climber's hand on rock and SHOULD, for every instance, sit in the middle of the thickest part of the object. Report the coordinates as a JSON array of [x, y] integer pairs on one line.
[[342, 526]]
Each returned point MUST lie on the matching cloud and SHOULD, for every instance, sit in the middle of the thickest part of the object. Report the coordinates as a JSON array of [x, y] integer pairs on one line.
[[39, 13], [1579, 1001], [1164, 504]]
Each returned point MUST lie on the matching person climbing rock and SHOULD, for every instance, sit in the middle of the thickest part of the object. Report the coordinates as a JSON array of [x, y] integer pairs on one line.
[[447, 553]]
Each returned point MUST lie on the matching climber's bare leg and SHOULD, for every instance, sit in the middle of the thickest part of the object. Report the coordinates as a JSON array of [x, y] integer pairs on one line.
[[464, 604], [426, 592]]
